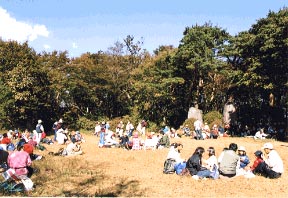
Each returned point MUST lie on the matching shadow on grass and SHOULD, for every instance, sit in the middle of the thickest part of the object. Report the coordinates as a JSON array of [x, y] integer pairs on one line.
[[124, 188], [84, 181]]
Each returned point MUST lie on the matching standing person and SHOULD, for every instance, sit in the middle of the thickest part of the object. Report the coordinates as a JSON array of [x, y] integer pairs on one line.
[[56, 126], [129, 128], [102, 138], [229, 161], [39, 130], [97, 129], [272, 167], [198, 129]]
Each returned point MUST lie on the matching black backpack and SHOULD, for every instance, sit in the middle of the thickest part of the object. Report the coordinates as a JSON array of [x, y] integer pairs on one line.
[[169, 166]]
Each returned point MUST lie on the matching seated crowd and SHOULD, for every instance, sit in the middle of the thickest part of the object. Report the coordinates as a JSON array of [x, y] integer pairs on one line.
[[232, 162], [17, 149]]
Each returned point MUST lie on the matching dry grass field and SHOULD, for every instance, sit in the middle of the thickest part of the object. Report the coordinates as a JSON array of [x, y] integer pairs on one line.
[[114, 172]]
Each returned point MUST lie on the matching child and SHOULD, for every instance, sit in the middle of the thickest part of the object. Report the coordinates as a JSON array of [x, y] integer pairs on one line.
[[244, 159], [258, 160]]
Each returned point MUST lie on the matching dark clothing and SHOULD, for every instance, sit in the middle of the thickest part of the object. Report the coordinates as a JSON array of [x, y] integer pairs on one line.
[[263, 169], [194, 164], [124, 140], [3, 156]]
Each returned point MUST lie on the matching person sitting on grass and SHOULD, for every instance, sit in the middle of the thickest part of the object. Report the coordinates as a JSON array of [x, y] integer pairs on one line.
[[211, 164], [174, 153], [164, 141], [244, 159], [73, 148], [272, 166], [19, 160], [229, 161], [194, 163]]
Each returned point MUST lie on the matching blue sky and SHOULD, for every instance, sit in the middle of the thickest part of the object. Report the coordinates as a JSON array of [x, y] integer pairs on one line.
[[80, 26]]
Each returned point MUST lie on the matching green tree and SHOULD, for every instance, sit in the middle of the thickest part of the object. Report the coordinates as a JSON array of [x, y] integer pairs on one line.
[[259, 59], [204, 71]]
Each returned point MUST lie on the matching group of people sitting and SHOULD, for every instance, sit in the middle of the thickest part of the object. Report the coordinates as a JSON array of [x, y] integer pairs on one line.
[[17, 150], [232, 161]]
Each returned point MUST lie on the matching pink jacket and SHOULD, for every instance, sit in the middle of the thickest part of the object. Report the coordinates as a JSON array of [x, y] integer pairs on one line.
[[19, 160]]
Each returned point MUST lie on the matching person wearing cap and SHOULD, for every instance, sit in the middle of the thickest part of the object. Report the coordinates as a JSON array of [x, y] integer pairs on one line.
[[272, 167], [258, 160], [56, 126], [39, 129], [244, 159]]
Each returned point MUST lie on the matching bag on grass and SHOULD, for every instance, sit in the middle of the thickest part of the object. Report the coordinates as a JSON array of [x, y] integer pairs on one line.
[[169, 166]]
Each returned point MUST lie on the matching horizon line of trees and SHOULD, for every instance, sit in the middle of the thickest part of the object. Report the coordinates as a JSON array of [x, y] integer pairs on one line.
[[207, 68]]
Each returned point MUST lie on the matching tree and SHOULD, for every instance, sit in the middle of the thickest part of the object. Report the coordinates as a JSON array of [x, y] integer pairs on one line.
[[259, 59], [198, 63]]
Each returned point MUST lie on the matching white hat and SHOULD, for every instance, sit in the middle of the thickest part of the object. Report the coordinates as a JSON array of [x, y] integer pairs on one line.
[[268, 146], [39, 121], [241, 148], [60, 121]]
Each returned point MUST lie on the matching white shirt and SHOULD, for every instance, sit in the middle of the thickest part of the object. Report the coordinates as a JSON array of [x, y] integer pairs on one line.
[[259, 135], [97, 128], [174, 154], [197, 125], [211, 161], [275, 162]]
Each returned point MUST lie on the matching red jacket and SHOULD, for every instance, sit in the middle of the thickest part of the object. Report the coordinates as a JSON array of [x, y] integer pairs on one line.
[[256, 163], [5, 140]]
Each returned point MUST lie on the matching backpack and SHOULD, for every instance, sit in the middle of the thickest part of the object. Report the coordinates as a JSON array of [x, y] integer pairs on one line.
[[38, 128], [169, 166]]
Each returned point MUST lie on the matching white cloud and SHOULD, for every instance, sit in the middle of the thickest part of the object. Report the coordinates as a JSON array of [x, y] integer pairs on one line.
[[46, 46], [11, 29], [74, 46]]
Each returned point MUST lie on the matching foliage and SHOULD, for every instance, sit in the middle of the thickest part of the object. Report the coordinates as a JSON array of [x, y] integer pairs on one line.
[[213, 117], [207, 67], [190, 123], [199, 65], [259, 59], [86, 124]]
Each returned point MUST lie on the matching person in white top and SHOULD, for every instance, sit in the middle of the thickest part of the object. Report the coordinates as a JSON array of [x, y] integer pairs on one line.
[[198, 129], [212, 160], [272, 167], [260, 134], [174, 153]]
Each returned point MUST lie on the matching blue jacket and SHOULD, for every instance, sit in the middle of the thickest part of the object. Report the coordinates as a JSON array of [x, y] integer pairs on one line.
[[245, 161]]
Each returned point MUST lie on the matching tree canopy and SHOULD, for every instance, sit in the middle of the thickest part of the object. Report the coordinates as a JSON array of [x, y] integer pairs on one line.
[[207, 67]]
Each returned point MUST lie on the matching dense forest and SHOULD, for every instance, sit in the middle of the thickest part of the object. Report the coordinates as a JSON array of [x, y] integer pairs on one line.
[[208, 67]]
